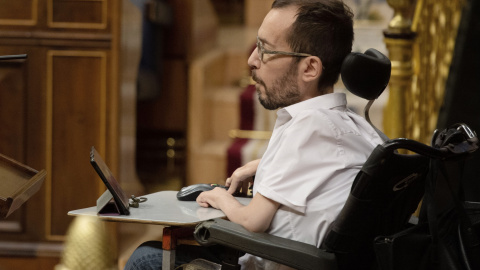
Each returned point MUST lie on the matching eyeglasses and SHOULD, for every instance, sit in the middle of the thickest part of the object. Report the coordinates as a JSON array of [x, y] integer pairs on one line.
[[262, 51]]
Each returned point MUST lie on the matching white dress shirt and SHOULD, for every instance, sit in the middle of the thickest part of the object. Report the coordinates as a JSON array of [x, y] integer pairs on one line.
[[316, 149]]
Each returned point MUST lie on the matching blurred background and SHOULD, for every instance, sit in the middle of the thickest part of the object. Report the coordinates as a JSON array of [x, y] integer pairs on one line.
[[162, 89]]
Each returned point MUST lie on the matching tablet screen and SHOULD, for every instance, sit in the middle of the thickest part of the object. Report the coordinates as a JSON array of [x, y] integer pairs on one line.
[[107, 177]]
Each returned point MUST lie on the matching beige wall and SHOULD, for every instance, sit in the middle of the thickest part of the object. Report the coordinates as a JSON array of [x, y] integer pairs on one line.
[[255, 10]]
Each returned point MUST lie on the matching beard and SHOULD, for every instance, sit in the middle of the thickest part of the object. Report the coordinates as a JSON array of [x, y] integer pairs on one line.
[[283, 92]]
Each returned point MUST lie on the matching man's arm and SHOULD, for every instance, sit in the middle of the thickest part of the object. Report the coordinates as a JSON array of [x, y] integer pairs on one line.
[[255, 217], [239, 178]]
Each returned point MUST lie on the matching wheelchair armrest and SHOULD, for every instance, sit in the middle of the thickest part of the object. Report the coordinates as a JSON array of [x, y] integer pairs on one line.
[[284, 251]]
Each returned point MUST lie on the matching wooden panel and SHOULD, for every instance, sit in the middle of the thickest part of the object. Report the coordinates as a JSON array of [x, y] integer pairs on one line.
[[90, 14], [13, 92], [168, 111], [76, 120], [176, 45], [38, 263], [18, 12], [193, 30], [25, 225], [12, 109], [71, 69]]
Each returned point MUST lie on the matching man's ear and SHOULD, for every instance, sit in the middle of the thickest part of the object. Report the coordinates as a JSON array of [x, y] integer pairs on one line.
[[311, 68]]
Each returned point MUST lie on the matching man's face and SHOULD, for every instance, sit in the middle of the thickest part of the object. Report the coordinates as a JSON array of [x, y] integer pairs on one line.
[[276, 76]]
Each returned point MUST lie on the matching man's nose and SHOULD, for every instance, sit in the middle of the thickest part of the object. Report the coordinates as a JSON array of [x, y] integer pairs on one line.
[[254, 60]]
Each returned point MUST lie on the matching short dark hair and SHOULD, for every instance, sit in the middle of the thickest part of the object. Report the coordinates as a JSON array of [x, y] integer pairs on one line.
[[323, 28]]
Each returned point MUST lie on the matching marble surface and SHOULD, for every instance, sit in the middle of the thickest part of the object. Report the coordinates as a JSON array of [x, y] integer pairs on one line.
[[162, 208]]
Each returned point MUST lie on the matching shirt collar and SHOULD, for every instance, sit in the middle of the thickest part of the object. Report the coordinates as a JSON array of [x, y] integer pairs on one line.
[[328, 101]]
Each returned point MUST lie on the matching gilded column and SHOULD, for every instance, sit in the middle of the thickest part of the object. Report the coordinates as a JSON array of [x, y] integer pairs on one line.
[[435, 24], [399, 39]]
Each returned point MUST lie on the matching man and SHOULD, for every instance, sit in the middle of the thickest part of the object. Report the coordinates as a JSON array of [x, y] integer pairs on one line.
[[318, 145]]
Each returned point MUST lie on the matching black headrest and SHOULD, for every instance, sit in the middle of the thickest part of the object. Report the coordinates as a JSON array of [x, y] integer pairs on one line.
[[366, 74]]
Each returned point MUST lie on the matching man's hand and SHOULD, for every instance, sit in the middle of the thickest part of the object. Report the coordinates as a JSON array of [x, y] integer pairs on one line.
[[241, 177], [255, 217], [211, 198]]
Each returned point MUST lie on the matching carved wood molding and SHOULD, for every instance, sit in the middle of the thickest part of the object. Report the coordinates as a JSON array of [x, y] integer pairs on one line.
[[102, 24], [33, 20]]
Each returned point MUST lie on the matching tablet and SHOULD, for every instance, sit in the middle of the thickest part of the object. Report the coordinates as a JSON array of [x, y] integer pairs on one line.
[[119, 196]]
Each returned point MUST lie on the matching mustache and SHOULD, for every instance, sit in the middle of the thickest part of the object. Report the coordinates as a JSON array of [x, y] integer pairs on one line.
[[256, 78]]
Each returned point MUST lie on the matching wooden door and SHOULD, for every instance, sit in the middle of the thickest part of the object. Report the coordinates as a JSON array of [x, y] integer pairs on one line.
[[54, 106]]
